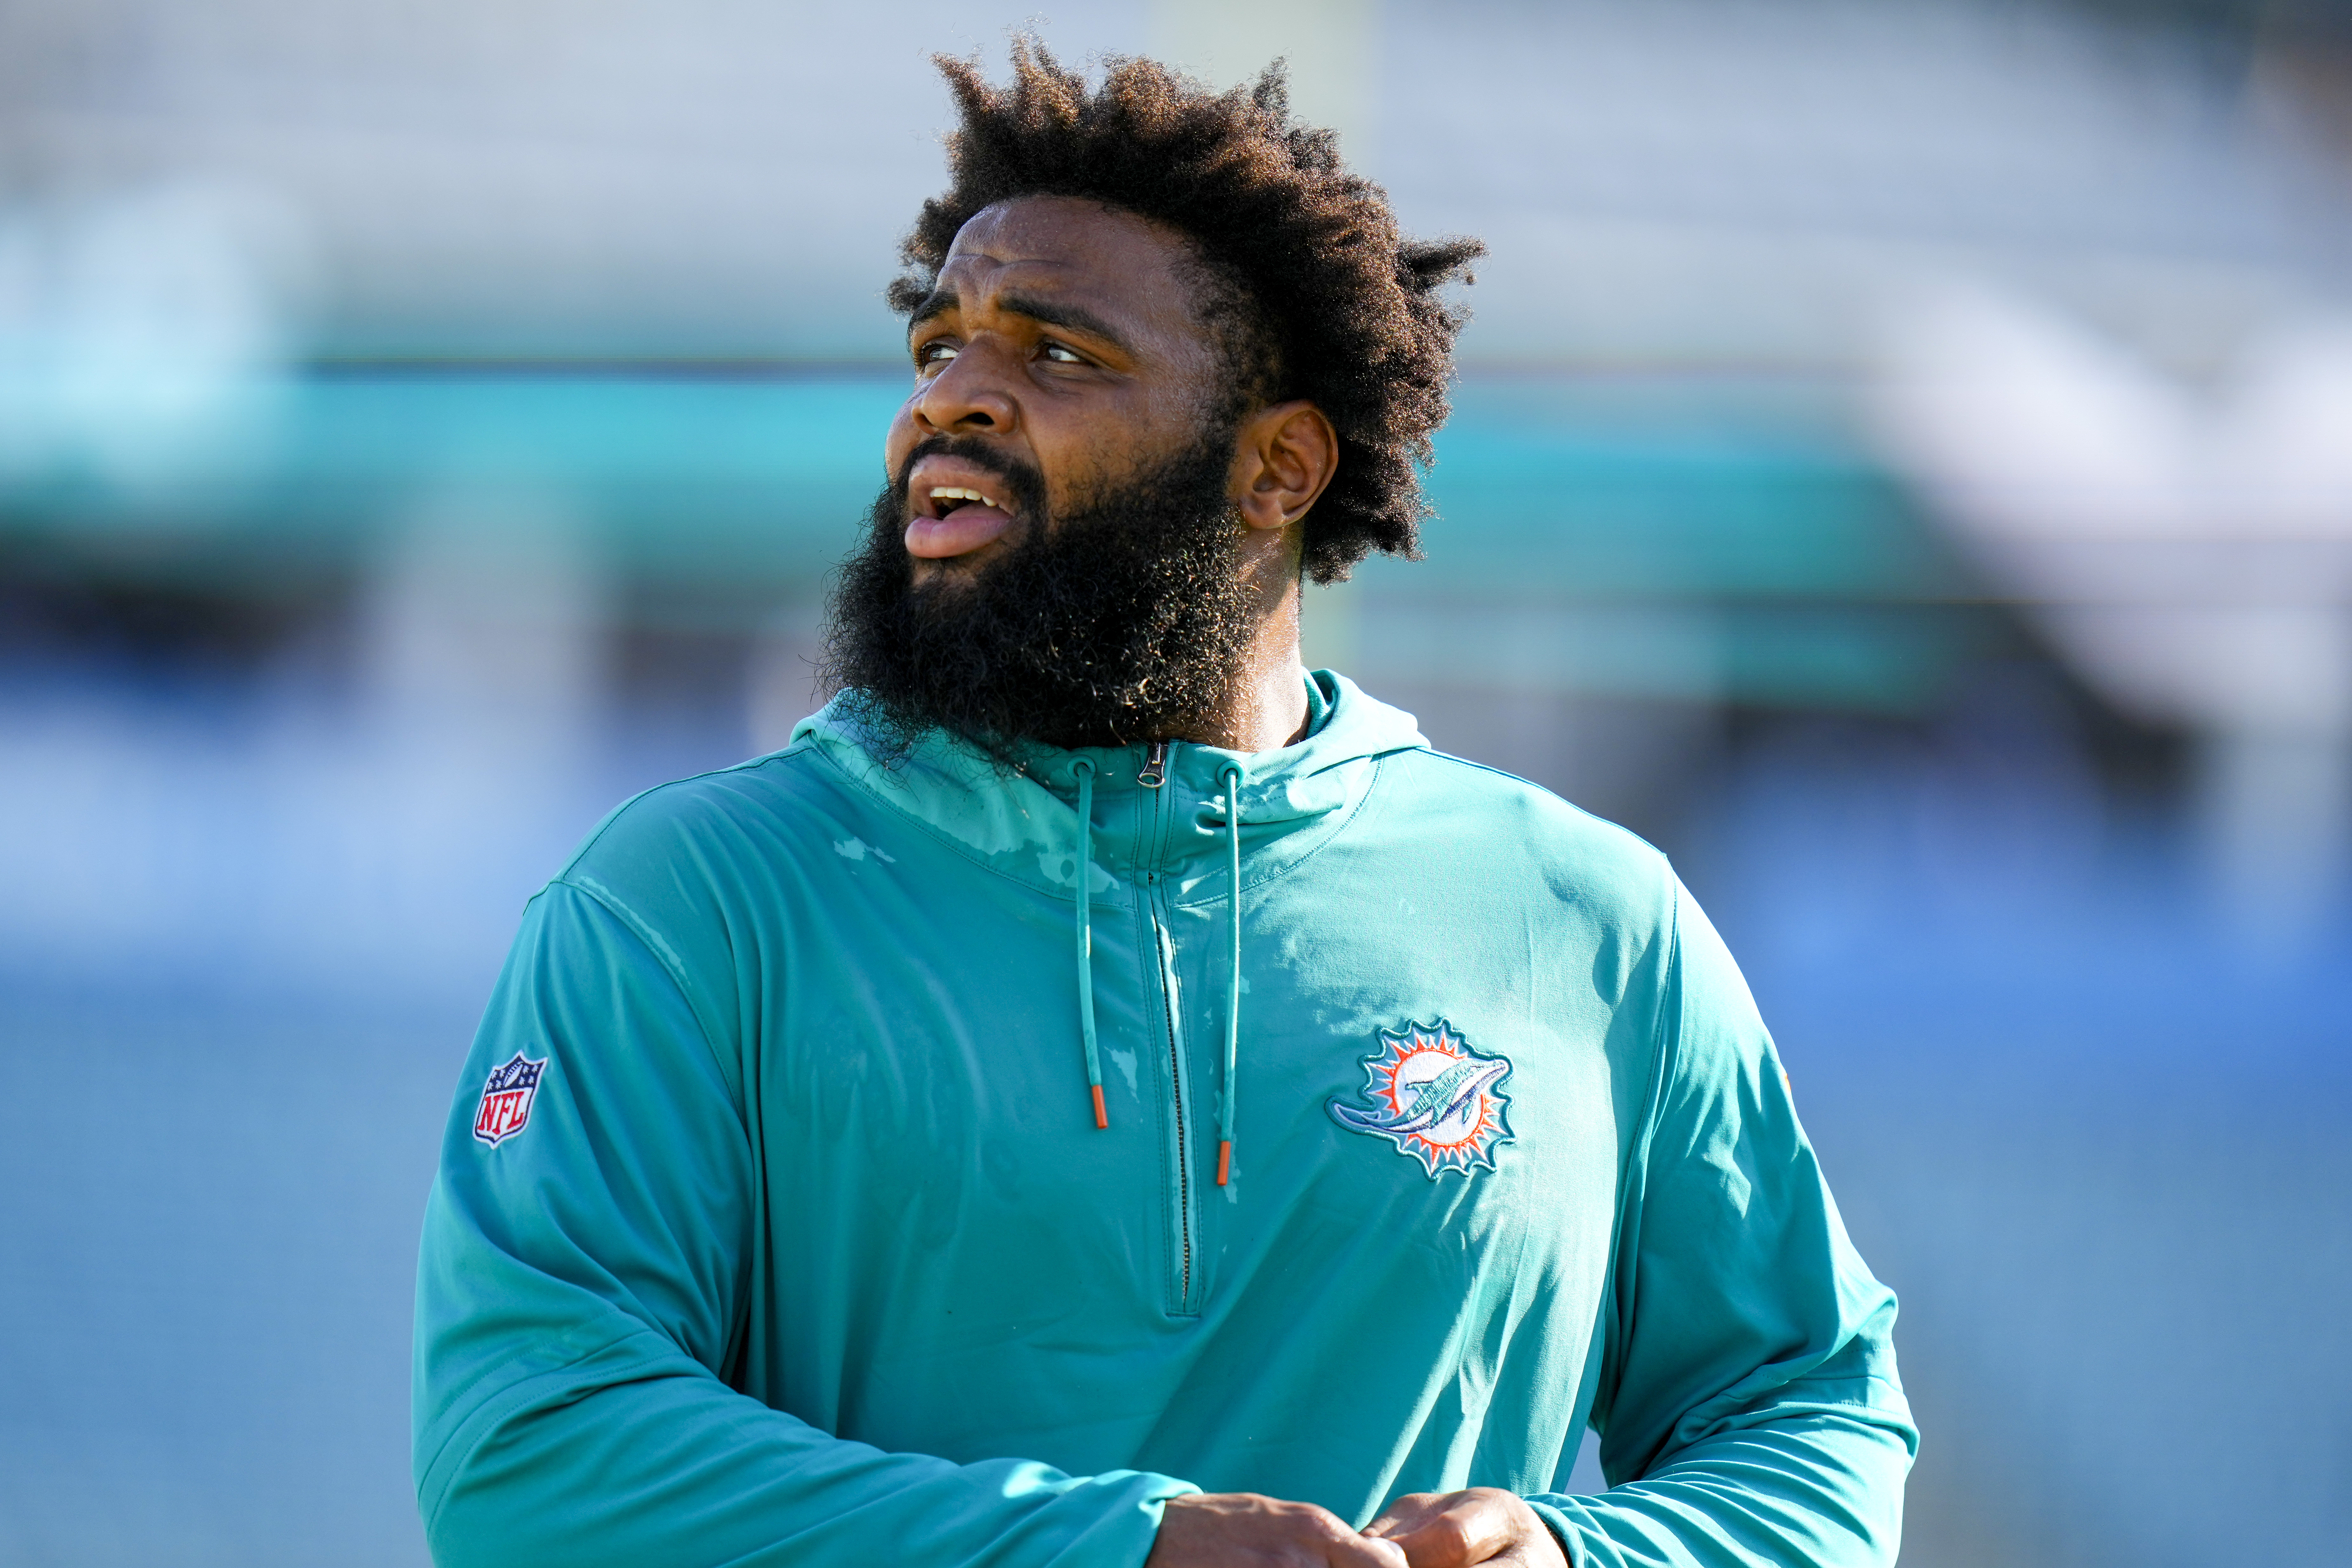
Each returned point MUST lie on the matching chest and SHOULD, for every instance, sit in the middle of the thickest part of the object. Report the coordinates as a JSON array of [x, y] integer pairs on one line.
[[1429, 1087]]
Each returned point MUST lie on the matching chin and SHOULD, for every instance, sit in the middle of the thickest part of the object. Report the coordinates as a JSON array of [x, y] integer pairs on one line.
[[927, 570]]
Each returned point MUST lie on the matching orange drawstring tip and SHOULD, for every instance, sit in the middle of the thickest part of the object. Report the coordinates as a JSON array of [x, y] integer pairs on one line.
[[1225, 1160], [1100, 1119]]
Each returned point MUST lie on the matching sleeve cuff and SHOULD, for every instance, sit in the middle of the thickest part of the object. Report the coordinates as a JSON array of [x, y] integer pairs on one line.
[[1562, 1532]]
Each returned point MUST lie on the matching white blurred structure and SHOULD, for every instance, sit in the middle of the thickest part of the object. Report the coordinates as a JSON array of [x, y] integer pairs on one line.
[[2192, 555], [144, 332]]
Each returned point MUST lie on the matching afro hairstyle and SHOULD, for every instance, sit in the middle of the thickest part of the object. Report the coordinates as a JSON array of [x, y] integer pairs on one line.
[[1312, 290]]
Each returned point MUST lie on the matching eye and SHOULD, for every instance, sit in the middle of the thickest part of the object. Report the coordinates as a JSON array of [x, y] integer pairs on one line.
[[939, 351], [1060, 355]]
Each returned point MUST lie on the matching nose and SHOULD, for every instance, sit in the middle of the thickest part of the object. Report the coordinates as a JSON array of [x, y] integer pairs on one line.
[[964, 398]]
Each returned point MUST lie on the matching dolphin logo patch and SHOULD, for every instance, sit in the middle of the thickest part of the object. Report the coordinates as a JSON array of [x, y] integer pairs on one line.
[[1434, 1097]]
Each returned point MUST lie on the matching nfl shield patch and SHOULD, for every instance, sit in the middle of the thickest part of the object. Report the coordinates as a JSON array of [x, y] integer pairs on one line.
[[506, 1099]]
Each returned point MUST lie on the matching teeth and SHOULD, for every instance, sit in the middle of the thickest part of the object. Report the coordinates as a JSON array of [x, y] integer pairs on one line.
[[956, 492]]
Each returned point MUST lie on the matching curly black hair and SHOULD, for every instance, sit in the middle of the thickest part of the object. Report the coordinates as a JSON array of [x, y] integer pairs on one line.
[[1313, 292]]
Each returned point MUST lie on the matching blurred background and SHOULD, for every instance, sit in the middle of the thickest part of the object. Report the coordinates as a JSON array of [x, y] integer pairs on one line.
[[1902, 466]]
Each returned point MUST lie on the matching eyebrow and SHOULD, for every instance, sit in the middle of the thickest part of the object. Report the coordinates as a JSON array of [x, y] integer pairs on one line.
[[1053, 313]]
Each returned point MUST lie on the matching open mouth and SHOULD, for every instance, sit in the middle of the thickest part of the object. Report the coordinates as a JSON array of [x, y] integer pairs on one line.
[[945, 501], [952, 519]]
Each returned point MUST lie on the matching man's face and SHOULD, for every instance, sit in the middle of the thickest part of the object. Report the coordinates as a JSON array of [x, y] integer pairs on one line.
[[1057, 555], [1060, 347]]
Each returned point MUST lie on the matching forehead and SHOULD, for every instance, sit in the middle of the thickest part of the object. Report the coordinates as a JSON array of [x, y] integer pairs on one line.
[[1128, 270]]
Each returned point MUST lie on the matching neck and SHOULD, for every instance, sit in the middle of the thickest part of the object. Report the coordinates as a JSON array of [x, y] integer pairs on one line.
[[1266, 708]]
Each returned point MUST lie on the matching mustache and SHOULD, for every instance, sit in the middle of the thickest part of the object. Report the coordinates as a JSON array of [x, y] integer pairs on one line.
[[1024, 481]]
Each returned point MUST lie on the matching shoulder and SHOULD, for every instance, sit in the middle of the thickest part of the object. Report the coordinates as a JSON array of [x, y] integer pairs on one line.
[[1484, 814], [781, 793], [687, 850]]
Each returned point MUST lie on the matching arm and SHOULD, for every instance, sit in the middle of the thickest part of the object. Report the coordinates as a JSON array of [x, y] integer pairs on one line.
[[1748, 1408], [1748, 1403], [583, 1283]]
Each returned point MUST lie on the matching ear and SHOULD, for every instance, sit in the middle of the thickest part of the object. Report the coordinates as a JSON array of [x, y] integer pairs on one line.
[[1284, 458]]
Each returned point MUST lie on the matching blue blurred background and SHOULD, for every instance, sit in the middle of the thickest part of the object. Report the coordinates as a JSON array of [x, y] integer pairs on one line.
[[1903, 466]]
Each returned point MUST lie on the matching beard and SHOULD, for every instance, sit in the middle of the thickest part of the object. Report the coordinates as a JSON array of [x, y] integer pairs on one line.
[[1125, 618]]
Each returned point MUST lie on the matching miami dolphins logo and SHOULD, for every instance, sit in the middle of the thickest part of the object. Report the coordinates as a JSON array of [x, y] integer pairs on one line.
[[1433, 1097]]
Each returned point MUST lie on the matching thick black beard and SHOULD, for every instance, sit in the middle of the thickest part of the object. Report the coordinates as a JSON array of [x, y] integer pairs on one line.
[[1126, 619]]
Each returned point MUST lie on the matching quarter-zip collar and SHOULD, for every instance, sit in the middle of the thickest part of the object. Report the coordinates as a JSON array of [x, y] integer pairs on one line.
[[1021, 820]]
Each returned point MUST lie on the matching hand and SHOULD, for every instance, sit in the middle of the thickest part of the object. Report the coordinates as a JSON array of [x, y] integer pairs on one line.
[[1455, 1530], [1242, 1530]]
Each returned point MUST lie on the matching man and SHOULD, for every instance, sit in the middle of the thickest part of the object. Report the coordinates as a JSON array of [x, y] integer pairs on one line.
[[1102, 1094]]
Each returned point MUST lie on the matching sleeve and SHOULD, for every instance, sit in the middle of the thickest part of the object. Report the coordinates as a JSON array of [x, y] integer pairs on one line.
[[583, 1281], [1747, 1406]]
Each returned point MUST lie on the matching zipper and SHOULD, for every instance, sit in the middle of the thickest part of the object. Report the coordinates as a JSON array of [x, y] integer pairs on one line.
[[1184, 1303], [1153, 775]]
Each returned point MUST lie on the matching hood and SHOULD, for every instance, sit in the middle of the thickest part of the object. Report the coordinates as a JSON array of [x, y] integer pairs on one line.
[[1021, 820]]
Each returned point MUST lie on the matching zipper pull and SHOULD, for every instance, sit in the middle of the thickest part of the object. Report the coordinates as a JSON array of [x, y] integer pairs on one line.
[[1155, 766]]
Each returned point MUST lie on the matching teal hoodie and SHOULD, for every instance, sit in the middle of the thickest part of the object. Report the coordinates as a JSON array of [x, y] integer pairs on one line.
[[780, 1220]]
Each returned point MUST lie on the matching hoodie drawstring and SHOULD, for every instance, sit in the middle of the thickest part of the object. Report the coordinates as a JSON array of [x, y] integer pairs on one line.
[[1232, 776], [1086, 772]]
